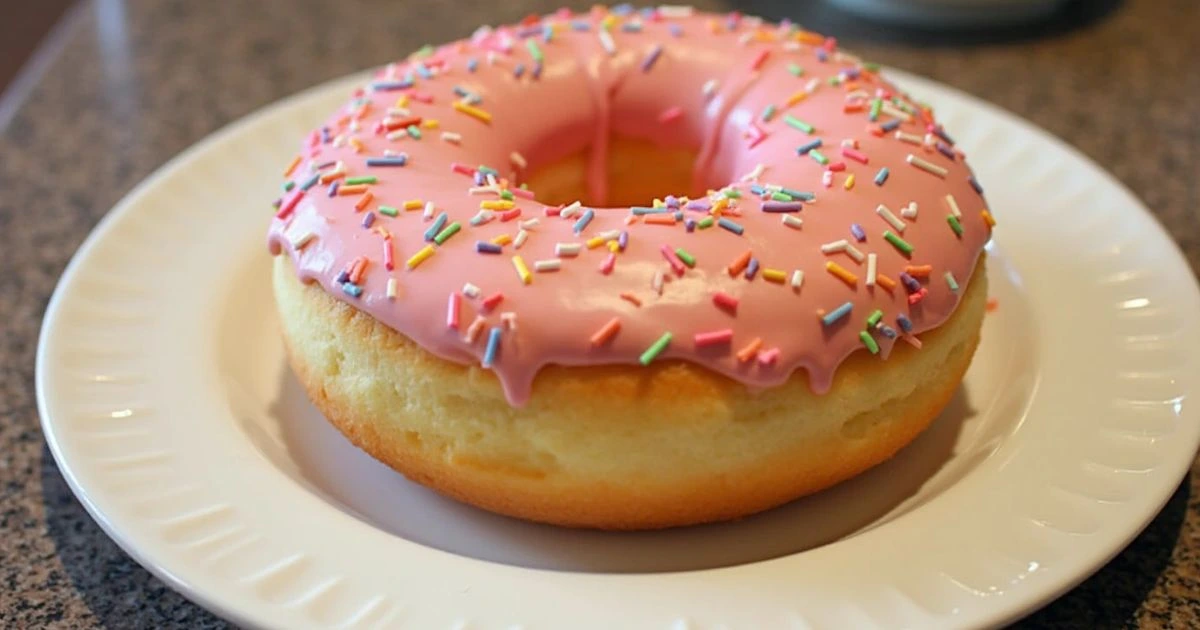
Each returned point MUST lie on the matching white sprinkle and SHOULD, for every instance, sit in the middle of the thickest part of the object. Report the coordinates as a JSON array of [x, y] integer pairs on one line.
[[398, 112], [474, 329], [710, 88], [520, 240], [674, 11], [791, 46], [909, 211], [354, 125], [827, 179], [491, 180], [609, 235], [871, 265], [518, 160], [834, 247], [850, 143], [482, 190], [398, 134], [853, 252], [895, 113], [607, 42], [797, 279], [656, 282], [470, 290], [754, 174], [552, 264], [812, 85], [913, 341], [529, 224], [484, 216], [930, 140], [427, 214], [910, 138], [745, 38], [892, 219], [567, 250], [953, 203], [928, 167], [491, 57], [570, 210], [451, 137], [792, 221], [857, 94], [510, 320], [302, 241], [391, 288]]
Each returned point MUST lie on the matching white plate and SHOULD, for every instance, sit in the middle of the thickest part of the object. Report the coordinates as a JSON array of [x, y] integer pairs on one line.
[[166, 402]]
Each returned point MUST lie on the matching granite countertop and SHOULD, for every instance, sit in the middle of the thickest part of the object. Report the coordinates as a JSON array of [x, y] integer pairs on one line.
[[124, 86]]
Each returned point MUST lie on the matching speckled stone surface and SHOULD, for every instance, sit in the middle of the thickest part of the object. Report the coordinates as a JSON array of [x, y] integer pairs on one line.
[[136, 82]]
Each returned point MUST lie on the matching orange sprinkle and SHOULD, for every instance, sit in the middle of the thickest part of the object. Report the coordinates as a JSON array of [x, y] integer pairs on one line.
[[843, 274], [362, 111], [852, 108], [606, 332], [502, 240], [885, 282], [660, 219], [342, 120], [988, 218], [992, 304], [292, 167], [796, 98], [739, 264], [809, 37], [749, 350], [328, 177], [357, 144], [352, 190], [413, 204], [919, 271], [357, 270], [363, 201], [631, 298]]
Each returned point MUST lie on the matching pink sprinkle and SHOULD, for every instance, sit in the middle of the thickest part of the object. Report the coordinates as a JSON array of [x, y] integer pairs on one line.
[[509, 215], [853, 154], [768, 357], [521, 192], [421, 97], [289, 204], [606, 267], [759, 60], [676, 264], [837, 167], [713, 338], [756, 134], [670, 114], [827, 179], [492, 300], [452, 310], [725, 301], [388, 261], [553, 211]]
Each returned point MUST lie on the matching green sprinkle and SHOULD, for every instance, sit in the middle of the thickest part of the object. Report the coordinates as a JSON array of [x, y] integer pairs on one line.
[[504, 194], [731, 193], [768, 113], [487, 170], [798, 124], [951, 281], [706, 222], [288, 186], [874, 318], [954, 224], [876, 106], [835, 80], [795, 70], [898, 243], [414, 131], [423, 52], [687, 258], [819, 157], [780, 197], [869, 342], [870, 66], [534, 51], [655, 349], [447, 232], [388, 210], [365, 179]]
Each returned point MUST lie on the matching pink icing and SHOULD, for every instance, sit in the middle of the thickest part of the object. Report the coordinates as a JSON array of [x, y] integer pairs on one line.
[[581, 95]]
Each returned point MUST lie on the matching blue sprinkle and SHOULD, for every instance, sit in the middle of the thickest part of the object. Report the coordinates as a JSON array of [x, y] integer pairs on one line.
[[853, 73], [833, 316], [547, 34], [537, 70], [650, 59], [758, 190], [390, 86], [493, 346], [479, 179], [752, 269], [675, 30], [632, 27], [805, 148], [890, 125], [678, 215], [436, 226], [529, 31], [690, 225], [822, 56], [945, 150], [584, 220], [423, 71], [941, 133], [472, 64], [887, 331], [905, 323], [368, 220], [580, 25], [333, 188], [325, 137], [975, 184], [343, 277], [623, 9], [310, 182], [353, 290], [399, 160], [882, 176], [484, 247], [731, 226], [857, 231], [642, 210], [519, 70]]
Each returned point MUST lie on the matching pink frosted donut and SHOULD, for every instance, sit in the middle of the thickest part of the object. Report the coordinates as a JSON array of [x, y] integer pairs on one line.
[[840, 218]]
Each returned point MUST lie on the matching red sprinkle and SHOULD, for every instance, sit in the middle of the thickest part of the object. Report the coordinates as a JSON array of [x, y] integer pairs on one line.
[[918, 296], [854, 154], [492, 300], [289, 204], [553, 211], [760, 59], [509, 215], [462, 169], [725, 301], [836, 167]]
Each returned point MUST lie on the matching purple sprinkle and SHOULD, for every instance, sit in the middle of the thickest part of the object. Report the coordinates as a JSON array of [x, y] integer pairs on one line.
[[975, 184], [676, 30], [324, 165], [333, 188], [905, 323], [484, 247], [700, 205], [910, 282], [622, 240], [945, 150], [890, 125], [752, 269], [853, 74], [529, 31], [368, 220], [479, 179], [690, 225], [343, 277], [822, 56], [325, 137], [857, 231], [537, 70], [672, 201], [519, 70], [782, 206], [941, 133], [650, 59]]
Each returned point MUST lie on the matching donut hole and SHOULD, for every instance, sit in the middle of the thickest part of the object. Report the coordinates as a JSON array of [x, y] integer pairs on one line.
[[636, 172]]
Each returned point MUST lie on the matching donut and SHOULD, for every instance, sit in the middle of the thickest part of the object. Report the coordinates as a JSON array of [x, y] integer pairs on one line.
[[630, 269]]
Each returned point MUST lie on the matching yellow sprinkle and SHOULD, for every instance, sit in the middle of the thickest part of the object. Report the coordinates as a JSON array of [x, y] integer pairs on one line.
[[502, 240], [419, 257], [658, 203], [414, 204], [797, 97], [764, 36], [594, 242], [988, 218], [473, 112], [402, 101], [522, 270], [774, 275], [841, 273], [496, 204], [356, 143], [614, 246], [432, 123], [720, 205], [287, 172], [608, 22], [849, 182]]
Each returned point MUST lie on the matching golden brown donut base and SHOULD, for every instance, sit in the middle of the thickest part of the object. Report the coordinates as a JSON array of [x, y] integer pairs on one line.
[[615, 447]]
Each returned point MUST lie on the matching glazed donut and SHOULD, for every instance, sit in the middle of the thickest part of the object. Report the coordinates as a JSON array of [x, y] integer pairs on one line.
[[630, 269]]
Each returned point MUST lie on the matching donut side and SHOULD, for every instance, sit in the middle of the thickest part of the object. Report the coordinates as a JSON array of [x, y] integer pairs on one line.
[[612, 447]]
